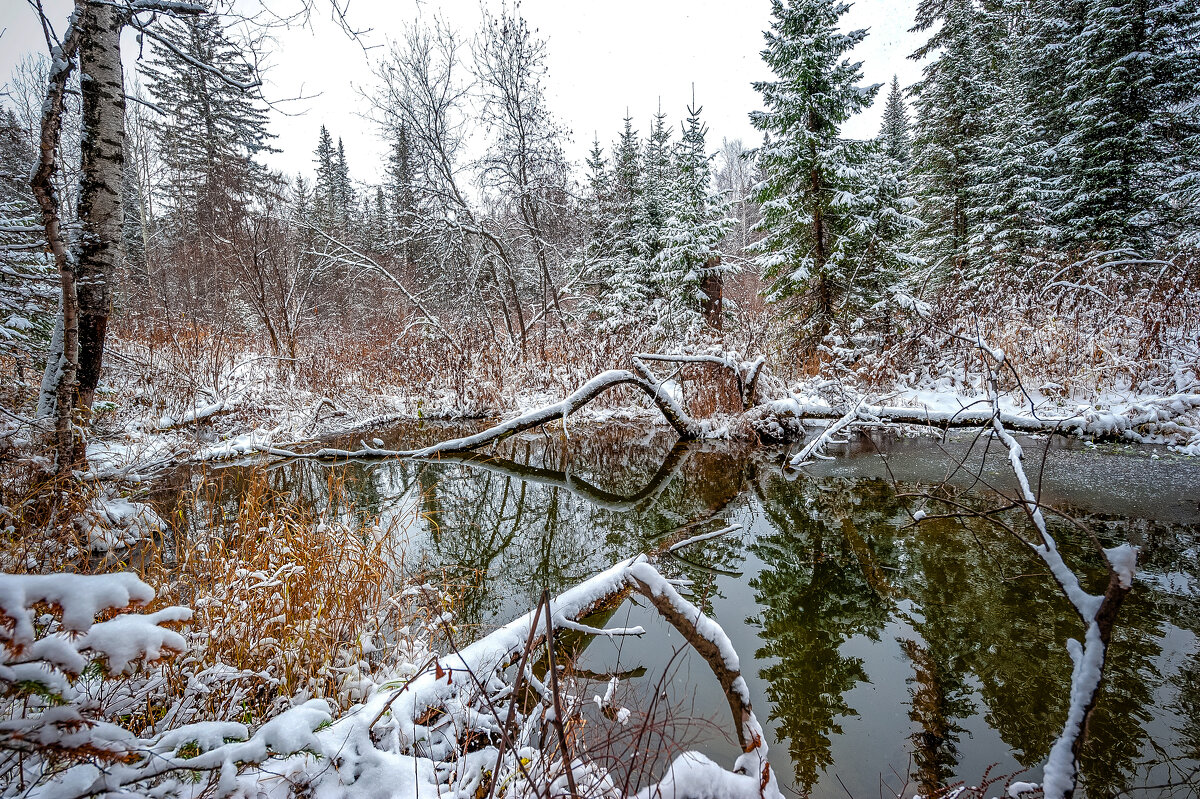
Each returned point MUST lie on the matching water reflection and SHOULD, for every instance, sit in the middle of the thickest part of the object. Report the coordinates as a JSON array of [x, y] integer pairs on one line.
[[933, 651], [821, 584]]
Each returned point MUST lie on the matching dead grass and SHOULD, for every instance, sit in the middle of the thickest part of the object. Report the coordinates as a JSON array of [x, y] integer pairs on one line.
[[289, 599]]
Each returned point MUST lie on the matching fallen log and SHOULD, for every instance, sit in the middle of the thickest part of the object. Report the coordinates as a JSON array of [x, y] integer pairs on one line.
[[396, 731], [675, 416]]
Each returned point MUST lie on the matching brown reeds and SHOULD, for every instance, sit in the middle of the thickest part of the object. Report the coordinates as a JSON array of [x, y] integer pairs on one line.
[[290, 599]]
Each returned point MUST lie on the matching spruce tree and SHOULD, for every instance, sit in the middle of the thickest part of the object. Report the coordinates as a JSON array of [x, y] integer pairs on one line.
[[951, 102], [642, 291], [627, 170], [689, 270], [1011, 187], [325, 187], [894, 133], [809, 172], [1179, 124], [214, 129], [598, 221], [653, 200], [344, 199], [28, 279], [1129, 71], [401, 190]]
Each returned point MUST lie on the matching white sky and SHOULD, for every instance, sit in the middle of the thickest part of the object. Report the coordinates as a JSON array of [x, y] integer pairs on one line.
[[605, 56]]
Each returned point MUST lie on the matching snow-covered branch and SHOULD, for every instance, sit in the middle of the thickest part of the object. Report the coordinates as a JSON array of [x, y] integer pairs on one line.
[[1098, 613], [666, 404]]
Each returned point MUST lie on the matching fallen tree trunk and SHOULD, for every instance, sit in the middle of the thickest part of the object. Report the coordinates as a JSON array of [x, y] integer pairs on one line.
[[397, 730], [1097, 423], [675, 416]]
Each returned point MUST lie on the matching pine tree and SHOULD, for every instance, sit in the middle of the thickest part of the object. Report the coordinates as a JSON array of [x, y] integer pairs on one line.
[[325, 187], [689, 269], [214, 129], [894, 133], [809, 171], [344, 198], [1131, 68], [597, 218], [401, 190], [627, 175], [951, 102], [1010, 183]]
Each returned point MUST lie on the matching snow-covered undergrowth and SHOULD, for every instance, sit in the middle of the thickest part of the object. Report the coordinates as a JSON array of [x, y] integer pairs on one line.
[[456, 725], [170, 402], [1097, 348], [291, 600], [1108, 345]]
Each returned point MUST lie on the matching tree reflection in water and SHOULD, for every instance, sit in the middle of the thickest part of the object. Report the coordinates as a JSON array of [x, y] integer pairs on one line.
[[968, 615], [815, 592]]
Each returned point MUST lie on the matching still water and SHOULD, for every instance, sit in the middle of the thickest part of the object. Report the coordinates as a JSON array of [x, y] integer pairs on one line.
[[882, 657]]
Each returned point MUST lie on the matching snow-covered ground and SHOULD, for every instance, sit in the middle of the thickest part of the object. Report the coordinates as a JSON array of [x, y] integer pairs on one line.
[[256, 404]]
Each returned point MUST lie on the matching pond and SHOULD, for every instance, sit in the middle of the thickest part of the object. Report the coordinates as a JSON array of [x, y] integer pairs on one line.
[[882, 656]]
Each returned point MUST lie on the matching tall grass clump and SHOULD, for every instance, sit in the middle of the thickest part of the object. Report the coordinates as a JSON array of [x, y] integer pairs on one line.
[[291, 601]]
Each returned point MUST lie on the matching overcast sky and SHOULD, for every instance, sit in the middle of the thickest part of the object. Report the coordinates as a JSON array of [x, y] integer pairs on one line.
[[604, 57]]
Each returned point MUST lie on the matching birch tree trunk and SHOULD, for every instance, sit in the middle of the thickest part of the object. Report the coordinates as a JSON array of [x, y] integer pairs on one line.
[[103, 163], [57, 400]]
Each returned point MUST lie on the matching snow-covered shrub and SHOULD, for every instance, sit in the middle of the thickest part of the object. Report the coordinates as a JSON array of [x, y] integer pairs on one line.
[[64, 730], [49, 640]]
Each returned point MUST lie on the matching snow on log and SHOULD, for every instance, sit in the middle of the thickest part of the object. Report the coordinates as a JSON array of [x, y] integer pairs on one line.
[[378, 743], [657, 392], [816, 447]]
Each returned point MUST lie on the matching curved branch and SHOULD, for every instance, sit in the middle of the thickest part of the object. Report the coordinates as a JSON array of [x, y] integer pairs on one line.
[[577, 486], [675, 416]]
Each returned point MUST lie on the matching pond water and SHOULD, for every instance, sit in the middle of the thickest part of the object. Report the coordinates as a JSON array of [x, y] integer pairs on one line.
[[882, 657]]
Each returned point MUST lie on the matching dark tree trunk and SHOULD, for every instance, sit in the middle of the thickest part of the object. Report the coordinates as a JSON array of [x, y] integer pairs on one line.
[[712, 287], [102, 160]]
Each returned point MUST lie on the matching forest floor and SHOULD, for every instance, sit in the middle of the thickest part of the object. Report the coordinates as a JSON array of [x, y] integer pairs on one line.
[[159, 410]]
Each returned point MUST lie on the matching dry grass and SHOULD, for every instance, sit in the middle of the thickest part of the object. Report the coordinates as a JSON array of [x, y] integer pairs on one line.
[[289, 600]]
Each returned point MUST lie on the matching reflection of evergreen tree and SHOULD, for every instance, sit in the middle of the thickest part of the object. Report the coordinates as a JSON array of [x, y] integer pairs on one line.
[[989, 610], [988, 626], [816, 593], [937, 700]]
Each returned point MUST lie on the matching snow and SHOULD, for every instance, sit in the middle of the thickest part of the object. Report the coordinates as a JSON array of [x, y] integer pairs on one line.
[[115, 522], [80, 598], [370, 769], [1123, 560], [131, 637]]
